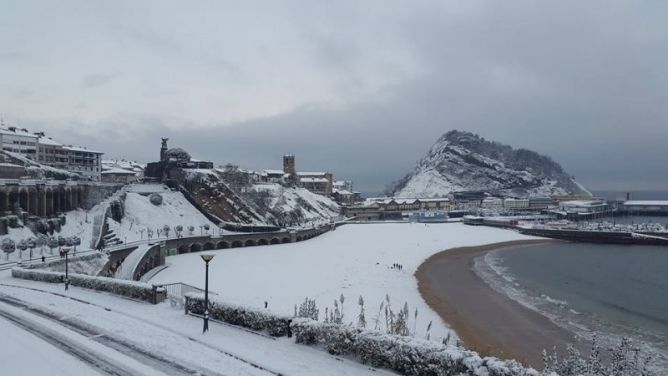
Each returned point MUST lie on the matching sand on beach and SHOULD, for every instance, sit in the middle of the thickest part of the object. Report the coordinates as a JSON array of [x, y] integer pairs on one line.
[[485, 320]]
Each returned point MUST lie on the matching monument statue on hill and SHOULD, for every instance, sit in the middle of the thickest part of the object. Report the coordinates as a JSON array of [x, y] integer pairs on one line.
[[163, 148]]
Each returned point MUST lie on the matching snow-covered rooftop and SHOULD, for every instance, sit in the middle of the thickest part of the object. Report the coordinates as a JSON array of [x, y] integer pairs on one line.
[[117, 171], [81, 149], [647, 202], [17, 132], [48, 141], [313, 180], [311, 173]]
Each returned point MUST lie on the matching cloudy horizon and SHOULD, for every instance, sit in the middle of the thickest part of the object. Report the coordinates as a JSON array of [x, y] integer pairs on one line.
[[361, 89]]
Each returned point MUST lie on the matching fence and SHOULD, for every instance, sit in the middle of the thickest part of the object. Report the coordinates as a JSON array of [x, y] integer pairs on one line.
[[176, 292]]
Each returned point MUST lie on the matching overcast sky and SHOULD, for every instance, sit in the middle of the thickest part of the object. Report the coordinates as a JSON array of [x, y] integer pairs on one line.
[[359, 88]]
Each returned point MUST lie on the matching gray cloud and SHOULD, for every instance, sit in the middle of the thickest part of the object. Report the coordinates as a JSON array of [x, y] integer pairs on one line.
[[363, 90], [96, 80]]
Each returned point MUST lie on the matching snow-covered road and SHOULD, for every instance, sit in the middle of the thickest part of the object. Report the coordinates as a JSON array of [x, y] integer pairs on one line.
[[158, 339]]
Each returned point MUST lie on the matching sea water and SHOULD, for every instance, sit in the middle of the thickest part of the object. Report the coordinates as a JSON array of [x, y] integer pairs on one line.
[[613, 290]]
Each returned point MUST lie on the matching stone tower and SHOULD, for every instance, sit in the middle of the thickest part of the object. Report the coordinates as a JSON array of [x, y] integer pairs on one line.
[[163, 149], [289, 164]]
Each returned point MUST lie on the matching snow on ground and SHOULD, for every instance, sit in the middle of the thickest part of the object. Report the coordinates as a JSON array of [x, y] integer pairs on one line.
[[141, 214], [354, 260], [165, 331], [26, 354]]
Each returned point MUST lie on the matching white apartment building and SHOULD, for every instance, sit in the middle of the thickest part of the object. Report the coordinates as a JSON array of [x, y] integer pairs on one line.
[[19, 141], [516, 203], [85, 162]]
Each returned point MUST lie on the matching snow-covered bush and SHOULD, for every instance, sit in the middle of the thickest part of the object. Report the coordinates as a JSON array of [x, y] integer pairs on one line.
[[624, 359], [307, 309], [407, 355], [256, 319], [131, 289], [155, 198], [8, 246]]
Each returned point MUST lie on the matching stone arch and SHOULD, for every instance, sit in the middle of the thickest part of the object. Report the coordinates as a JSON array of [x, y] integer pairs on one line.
[[183, 249], [208, 246], [237, 244], [223, 245], [195, 247], [23, 199], [286, 240], [41, 203], [68, 199], [33, 203], [49, 202], [13, 198], [262, 242], [275, 241], [57, 201], [4, 201], [250, 243], [299, 238]]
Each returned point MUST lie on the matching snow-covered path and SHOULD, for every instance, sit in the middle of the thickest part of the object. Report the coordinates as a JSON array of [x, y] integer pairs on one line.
[[162, 334]]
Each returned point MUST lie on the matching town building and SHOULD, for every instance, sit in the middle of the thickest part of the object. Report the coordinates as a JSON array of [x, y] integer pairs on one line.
[[645, 207], [51, 152], [584, 206], [537, 203], [516, 204], [83, 161], [492, 203], [20, 141], [172, 162], [118, 175], [44, 150]]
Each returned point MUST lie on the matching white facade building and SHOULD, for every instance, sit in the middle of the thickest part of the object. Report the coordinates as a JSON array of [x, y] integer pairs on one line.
[[85, 162], [516, 203], [19, 141]]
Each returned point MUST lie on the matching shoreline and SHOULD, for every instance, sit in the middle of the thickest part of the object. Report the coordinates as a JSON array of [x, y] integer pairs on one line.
[[485, 320]]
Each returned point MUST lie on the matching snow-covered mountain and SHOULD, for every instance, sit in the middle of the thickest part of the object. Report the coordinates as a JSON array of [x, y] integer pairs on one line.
[[463, 161]]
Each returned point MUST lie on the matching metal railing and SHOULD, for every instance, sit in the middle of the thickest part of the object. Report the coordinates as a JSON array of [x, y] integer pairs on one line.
[[176, 292]]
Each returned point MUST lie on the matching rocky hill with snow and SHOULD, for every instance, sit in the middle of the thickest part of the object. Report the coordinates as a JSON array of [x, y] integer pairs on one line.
[[463, 161], [236, 198]]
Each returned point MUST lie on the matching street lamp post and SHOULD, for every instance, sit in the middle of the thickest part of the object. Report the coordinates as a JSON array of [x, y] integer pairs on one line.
[[207, 259], [66, 250]]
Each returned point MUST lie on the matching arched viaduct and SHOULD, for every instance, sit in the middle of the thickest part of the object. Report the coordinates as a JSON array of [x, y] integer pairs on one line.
[[43, 200], [155, 255]]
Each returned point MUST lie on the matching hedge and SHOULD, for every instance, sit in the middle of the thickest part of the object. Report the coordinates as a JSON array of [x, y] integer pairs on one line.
[[130, 289], [406, 355], [256, 319]]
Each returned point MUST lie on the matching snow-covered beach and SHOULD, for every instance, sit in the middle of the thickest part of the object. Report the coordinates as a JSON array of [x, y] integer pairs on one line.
[[353, 261]]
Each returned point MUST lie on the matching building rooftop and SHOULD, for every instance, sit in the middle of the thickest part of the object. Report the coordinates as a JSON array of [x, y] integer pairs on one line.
[[313, 180], [48, 141], [81, 149], [17, 132], [117, 171], [647, 202]]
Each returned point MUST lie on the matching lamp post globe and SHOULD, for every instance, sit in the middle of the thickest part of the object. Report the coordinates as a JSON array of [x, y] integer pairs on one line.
[[206, 258]]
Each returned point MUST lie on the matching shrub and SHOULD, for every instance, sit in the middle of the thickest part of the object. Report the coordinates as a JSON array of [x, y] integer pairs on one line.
[[131, 289], [256, 319]]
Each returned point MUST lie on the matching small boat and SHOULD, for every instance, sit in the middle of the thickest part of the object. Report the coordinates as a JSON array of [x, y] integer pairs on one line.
[[428, 217]]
